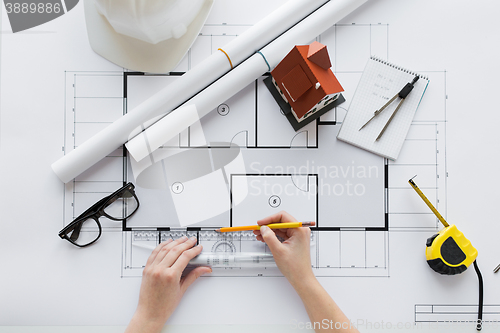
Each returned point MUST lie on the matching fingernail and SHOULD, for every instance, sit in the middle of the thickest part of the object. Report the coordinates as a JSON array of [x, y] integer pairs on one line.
[[263, 229], [184, 238], [192, 239]]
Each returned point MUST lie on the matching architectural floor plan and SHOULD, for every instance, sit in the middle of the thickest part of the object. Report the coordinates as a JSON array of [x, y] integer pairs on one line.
[[351, 194]]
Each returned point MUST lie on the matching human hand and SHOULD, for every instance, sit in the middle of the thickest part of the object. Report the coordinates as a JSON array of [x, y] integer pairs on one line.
[[163, 285], [293, 256]]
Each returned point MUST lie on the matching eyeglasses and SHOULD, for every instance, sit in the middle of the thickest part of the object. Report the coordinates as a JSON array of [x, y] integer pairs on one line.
[[86, 229]]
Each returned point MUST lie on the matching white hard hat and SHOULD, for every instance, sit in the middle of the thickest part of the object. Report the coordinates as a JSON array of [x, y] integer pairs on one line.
[[145, 35]]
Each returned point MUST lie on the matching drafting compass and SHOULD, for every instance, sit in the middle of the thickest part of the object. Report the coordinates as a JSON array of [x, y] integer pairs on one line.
[[402, 94]]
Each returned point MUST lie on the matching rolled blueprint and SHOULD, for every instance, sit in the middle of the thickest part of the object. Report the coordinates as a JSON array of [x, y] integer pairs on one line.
[[112, 137], [162, 131], [258, 64]]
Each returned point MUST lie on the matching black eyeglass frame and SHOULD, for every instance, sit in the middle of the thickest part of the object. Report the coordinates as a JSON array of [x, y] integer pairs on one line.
[[95, 212]]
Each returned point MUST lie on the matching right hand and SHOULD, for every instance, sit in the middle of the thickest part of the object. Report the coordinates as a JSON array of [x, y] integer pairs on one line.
[[293, 256]]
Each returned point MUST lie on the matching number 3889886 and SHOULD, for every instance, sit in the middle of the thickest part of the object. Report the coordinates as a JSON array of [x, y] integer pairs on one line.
[[17, 7]]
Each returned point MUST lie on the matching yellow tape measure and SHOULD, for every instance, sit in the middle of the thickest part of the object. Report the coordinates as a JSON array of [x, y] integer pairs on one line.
[[449, 252]]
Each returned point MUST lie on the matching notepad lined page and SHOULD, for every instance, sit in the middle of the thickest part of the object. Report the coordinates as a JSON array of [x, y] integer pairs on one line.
[[378, 84]]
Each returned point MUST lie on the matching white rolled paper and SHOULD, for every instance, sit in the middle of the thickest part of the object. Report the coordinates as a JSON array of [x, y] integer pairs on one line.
[[162, 131], [112, 137]]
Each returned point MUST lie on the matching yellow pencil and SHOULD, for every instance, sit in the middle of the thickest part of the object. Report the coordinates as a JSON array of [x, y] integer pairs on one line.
[[434, 210], [286, 225]]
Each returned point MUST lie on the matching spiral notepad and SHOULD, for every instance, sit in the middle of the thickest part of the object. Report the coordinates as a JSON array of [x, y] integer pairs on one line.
[[380, 81]]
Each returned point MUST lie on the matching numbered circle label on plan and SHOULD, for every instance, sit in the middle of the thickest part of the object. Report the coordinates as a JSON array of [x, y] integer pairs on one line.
[[223, 109], [274, 201], [177, 187]]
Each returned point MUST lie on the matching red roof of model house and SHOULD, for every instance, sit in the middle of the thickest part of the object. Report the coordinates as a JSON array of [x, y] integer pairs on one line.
[[305, 79]]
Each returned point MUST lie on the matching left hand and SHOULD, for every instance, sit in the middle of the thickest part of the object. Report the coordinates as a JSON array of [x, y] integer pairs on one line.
[[162, 284]]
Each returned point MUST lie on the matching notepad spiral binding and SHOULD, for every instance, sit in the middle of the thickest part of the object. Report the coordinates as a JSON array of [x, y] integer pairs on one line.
[[385, 62]]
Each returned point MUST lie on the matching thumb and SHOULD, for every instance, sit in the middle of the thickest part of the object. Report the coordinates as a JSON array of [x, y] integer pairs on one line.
[[193, 275], [270, 238]]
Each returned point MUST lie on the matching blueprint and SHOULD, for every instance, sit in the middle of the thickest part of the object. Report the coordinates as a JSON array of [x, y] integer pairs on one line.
[[368, 247]]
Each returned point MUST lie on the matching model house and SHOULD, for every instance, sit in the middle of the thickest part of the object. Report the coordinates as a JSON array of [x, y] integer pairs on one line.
[[305, 83]]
